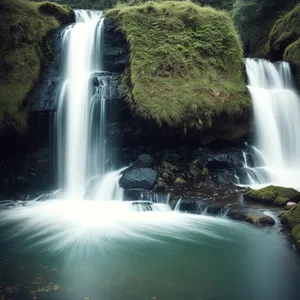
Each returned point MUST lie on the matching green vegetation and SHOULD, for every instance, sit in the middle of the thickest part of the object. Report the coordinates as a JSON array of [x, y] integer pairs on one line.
[[292, 219], [296, 235], [23, 24], [273, 195], [285, 31], [255, 19], [220, 4], [185, 63], [87, 4], [106, 4], [292, 55], [284, 40]]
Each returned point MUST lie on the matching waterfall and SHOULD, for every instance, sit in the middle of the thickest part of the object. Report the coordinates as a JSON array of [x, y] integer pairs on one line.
[[83, 156], [276, 107]]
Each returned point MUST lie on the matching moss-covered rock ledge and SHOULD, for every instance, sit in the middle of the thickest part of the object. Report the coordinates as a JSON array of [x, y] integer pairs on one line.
[[273, 195], [23, 24], [186, 66], [291, 218]]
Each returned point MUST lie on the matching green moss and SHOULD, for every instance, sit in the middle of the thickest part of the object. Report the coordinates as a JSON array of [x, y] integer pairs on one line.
[[285, 31], [180, 180], [292, 55], [23, 28], [296, 235], [185, 63], [292, 219], [205, 172], [63, 13], [273, 195]]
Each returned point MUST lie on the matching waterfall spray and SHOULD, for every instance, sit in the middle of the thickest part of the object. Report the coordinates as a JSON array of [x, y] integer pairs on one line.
[[276, 107]]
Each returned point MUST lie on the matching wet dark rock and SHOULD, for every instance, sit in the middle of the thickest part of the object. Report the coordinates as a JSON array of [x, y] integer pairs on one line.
[[133, 194], [138, 178], [265, 220], [145, 160], [160, 186], [223, 178], [230, 159], [116, 48]]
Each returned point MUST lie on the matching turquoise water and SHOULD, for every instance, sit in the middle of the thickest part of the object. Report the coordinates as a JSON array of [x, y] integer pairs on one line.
[[151, 255]]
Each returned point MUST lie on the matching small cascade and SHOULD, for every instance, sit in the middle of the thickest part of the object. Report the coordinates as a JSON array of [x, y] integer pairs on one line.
[[155, 197], [276, 107], [177, 205], [144, 206]]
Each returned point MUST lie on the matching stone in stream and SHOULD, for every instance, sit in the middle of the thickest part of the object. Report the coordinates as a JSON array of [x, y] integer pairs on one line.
[[139, 178], [265, 220]]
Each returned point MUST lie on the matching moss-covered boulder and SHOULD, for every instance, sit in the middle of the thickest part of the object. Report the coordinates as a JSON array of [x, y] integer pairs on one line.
[[291, 218], [186, 66], [23, 25], [273, 195]]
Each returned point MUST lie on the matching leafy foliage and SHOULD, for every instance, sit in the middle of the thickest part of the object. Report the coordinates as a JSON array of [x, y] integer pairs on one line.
[[23, 26], [185, 63], [254, 20]]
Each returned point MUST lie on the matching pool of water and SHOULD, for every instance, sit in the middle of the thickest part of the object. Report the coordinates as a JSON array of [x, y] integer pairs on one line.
[[62, 250]]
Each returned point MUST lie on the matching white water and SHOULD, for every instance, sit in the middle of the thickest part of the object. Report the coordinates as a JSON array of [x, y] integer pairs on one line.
[[81, 115], [57, 225], [276, 108]]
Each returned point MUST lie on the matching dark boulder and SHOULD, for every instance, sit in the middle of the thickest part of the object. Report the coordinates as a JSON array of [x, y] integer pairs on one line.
[[139, 178], [265, 220], [145, 160]]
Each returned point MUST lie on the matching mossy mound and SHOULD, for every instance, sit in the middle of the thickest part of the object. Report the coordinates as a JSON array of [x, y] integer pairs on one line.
[[284, 40], [292, 219], [273, 195], [185, 64], [285, 31], [23, 24]]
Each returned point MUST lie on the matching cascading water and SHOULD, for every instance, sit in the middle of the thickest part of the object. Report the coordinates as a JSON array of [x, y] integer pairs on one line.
[[81, 115], [276, 108]]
